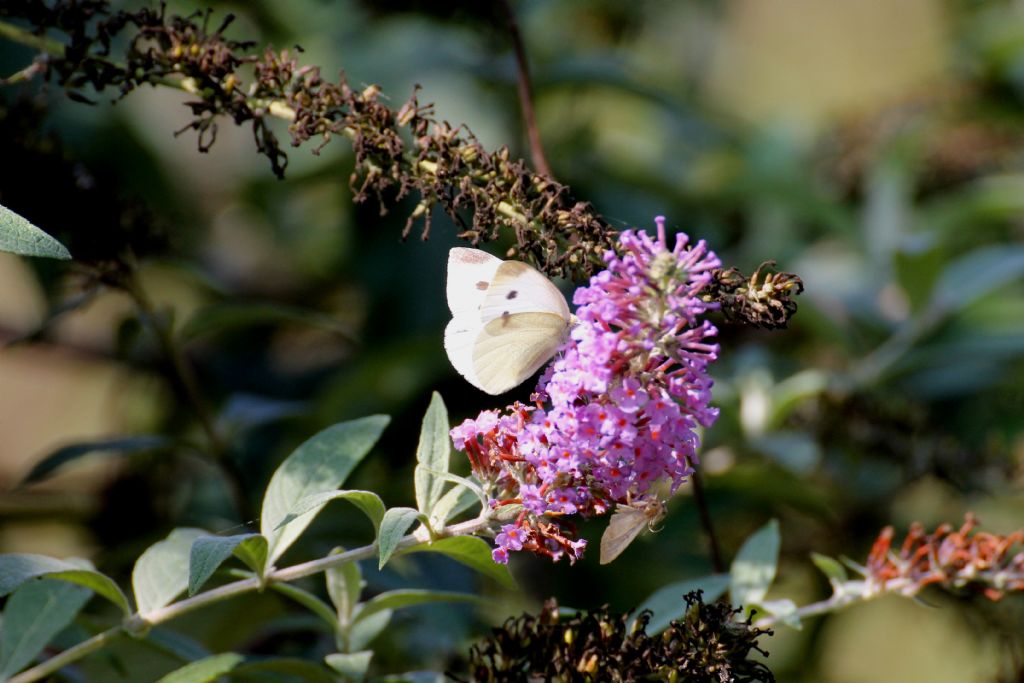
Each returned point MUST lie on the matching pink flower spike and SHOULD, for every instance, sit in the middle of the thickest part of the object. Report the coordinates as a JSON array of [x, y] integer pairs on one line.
[[618, 408]]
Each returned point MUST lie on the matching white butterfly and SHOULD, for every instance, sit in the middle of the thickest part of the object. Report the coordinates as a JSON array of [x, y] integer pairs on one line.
[[507, 319], [626, 524]]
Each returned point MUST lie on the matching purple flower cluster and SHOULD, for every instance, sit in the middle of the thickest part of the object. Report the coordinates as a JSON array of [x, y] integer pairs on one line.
[[619, 407]]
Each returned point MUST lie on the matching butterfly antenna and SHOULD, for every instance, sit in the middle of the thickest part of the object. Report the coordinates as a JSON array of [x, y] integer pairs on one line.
[[243, 525]]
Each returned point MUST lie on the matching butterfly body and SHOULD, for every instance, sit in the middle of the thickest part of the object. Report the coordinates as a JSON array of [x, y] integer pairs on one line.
[[507, 319]]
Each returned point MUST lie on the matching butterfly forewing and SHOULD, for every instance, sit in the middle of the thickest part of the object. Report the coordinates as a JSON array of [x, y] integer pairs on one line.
[[625, 525], [519, 288], [627, 522], [470, 272]]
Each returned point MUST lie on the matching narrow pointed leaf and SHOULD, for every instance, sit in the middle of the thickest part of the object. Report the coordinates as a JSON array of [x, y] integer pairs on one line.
[[367, 501], [209, 552], [413, 677], [204, 670], [33, 615], [18, 236], [309, 601], [344, 586], [320, 464], [830, 567], [285, 669], [392, 529], [232, 315], [784, 610], [753, 570], [352, 666], [667, 602], [976, 274], [464, 482], [455, 501], [432, 455], [16, 569], [364, 631], [471, 551], [162, 572], [169, 642], [407, 597], [243, 412], [126, 445]]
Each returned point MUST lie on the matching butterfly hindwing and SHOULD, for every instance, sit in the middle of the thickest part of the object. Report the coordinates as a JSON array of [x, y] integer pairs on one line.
[[459, 338], [511, 348]]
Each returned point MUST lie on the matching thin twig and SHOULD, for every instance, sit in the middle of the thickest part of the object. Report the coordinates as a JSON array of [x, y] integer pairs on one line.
[[72, 654], [525, 88], [717, 563], [139, 622], [20, 35]]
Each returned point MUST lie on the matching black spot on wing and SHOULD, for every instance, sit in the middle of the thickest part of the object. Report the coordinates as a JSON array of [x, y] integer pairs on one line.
[[505, 317], [512, 295]]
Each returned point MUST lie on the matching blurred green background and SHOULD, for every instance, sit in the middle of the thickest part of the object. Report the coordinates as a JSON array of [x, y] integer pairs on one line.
[[874, 147]]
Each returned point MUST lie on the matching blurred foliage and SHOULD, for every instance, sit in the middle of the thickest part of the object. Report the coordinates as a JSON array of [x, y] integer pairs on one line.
[[875, 148]]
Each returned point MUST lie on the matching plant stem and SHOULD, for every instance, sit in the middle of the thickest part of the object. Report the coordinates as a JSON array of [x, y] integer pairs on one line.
[[525, 89], [837, 601], [188, 386], [705, 520], [72, 654], [20, 35], [137, 622]]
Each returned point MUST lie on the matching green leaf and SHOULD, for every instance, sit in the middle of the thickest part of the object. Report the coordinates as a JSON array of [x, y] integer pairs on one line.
[[310, 602], [320, 464], [352, 666], [367, 501], [362, 632], [471, 551], [231, 315], [830, 567], [458, 499], [407, 597], [344, 586], [432, 455], [209, 552], [18, 236], [667, 602], [204, 670], [392, 529], [413, 677], [475, 488], [242, 412], [34, 614], [17, 569], [162, 572], [784, 610], [284, 669], [125, 445], [976, 274], [753, 570], [177, 645]]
